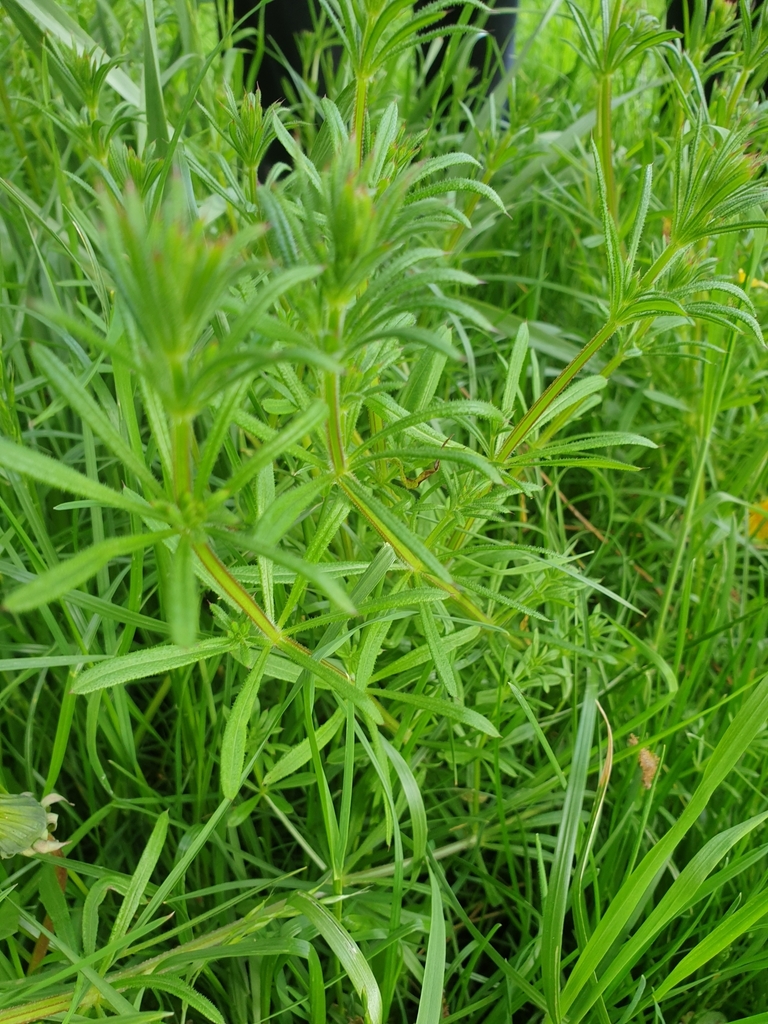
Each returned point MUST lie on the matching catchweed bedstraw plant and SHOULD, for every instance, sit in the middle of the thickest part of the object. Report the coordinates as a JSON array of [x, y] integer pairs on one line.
[[334, 599]]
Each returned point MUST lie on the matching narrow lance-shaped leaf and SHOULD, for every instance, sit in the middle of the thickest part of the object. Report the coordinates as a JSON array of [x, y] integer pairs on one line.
[[143, 664], [141, 877], [440, 707], [40, 467], [236, 732], [157, 128], [67, 384], [75, 571], [440, 659]]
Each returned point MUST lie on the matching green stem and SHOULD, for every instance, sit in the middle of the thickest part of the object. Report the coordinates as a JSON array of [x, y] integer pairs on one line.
[[605, 140], [659, 265], [335, 434], [182, 465], [361, 96], [558, 385], [241, 597], [736, 94]]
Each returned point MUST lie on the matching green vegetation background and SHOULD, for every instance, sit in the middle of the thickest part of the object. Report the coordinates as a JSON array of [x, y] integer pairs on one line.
[[380, 530]]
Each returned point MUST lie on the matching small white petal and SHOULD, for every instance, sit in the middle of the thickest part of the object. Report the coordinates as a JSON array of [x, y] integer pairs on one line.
[[54, 798], [46, 846]]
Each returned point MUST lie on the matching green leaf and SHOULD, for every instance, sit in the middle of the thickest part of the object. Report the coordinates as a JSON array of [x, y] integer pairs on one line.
[[721, 937], [440, 659], [178, 988], [556, 902], [69, 575], [330, 677], [512, 383], [55, 905], [236, 732], [52, 18], [303, 424], [312, 572], [140, 879], [386, 133], [413, 798], [677, 897], [540, 735], [423, 379], [40, 467], [740, 733], [67, 384], [299, 755], [440, 707], [348, 952], [441, 188], [665, 670], [431, 1001], [409, 547], [142, 664], [157, 128]]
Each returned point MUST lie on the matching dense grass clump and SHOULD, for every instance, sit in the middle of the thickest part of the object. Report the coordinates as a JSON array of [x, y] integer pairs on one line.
[[382, 517]]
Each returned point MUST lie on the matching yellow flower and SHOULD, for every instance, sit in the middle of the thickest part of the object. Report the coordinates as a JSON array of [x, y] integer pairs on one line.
[[754, 283], [758, 523]]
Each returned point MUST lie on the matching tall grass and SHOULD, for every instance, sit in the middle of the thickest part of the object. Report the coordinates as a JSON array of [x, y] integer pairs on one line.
[[382, 537]]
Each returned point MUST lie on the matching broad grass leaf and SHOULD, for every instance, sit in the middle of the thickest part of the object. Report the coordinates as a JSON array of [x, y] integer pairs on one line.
[[413, 798], [665, 670], [181, 990], [317, 1004], [512, 383], [540, 735], [737, 738], [556, 902], [55, 905], [431, 999], [723, 935], [141, 877], [348, 952], [671, 905]]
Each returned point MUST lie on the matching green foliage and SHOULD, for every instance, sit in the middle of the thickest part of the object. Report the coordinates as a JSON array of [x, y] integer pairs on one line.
[[381, 539]]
